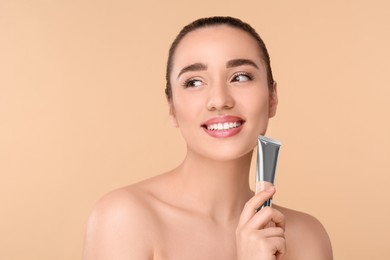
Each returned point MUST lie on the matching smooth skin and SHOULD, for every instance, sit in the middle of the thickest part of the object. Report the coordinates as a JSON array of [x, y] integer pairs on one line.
[[205, 209]]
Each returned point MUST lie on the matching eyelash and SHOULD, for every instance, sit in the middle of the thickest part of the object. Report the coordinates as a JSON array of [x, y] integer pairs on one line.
[[186, 84], [249, 76]]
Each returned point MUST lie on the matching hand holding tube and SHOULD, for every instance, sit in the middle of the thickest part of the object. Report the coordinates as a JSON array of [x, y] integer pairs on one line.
[[267, 158], [260, 235]]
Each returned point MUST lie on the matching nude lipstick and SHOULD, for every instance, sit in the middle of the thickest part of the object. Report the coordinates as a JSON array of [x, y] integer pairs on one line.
[[223, 126]]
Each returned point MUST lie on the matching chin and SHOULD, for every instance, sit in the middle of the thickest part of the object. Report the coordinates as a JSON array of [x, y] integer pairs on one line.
[[227, 153]]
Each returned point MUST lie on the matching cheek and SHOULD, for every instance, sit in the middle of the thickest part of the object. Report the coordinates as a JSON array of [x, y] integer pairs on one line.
[[256, 103], [257, 109], [186, 109], [263, 108]]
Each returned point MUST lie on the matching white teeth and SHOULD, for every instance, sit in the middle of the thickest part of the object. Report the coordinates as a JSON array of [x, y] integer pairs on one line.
[[223, 126]]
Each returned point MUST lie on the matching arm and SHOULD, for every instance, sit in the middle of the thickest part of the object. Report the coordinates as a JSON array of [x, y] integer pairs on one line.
[[315, 241], [117, 229], [306, 237]]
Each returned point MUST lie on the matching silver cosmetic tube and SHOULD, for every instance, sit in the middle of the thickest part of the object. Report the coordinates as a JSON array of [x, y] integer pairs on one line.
[[267, 159]]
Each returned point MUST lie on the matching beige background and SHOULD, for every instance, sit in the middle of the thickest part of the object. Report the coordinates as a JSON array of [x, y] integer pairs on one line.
[[82, 112]]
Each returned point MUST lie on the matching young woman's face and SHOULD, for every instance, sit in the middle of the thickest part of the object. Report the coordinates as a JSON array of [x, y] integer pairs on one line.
[[220, 96]]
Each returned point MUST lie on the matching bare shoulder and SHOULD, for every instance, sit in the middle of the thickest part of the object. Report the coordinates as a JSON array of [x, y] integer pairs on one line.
[[306, 236], [121, 226]]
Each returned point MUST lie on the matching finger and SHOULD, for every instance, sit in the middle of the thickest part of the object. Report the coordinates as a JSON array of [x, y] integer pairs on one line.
[[255, 202], [266, 216], [272, 232], [278, 246]]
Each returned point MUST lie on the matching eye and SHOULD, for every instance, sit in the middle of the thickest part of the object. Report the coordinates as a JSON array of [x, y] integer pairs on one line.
[[192, 83], [241, 77]]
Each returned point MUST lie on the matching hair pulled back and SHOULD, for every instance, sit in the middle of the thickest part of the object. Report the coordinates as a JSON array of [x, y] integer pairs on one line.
[[215, 21]]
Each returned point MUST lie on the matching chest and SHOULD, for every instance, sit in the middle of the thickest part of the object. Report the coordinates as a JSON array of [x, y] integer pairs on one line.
[[187, 239]]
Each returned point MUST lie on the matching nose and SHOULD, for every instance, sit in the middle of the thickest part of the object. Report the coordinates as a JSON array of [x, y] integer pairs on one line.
[[219, 97]]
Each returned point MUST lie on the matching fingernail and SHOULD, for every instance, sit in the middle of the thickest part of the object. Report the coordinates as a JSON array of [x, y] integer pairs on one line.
[[270, 189]]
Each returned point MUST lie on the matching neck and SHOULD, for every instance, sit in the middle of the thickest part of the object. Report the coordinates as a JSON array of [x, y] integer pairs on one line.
[[219, 189]]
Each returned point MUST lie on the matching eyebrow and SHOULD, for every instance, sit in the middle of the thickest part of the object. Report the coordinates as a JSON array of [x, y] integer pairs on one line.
[[230, 64], [193, 67], [240, 62]]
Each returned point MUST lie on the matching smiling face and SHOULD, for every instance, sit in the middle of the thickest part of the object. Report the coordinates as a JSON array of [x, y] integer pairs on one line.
[[220, 95]]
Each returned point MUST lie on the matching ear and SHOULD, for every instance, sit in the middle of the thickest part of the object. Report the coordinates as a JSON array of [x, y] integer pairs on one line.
[[273, 101], [172, 115]]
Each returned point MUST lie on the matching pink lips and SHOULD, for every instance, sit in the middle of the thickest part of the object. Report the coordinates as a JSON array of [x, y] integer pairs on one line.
[[223, 126]]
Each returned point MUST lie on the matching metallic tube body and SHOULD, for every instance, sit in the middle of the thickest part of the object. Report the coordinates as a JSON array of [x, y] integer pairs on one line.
[[267, 159]]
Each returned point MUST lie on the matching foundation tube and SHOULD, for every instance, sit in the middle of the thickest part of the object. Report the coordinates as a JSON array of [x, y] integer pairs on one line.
[[267, 159]]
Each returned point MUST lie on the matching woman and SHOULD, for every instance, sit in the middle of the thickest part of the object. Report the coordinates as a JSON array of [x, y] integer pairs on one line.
[[221, 94]]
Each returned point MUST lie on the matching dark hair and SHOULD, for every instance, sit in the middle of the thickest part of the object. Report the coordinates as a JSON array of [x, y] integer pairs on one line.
[[215, 21]]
